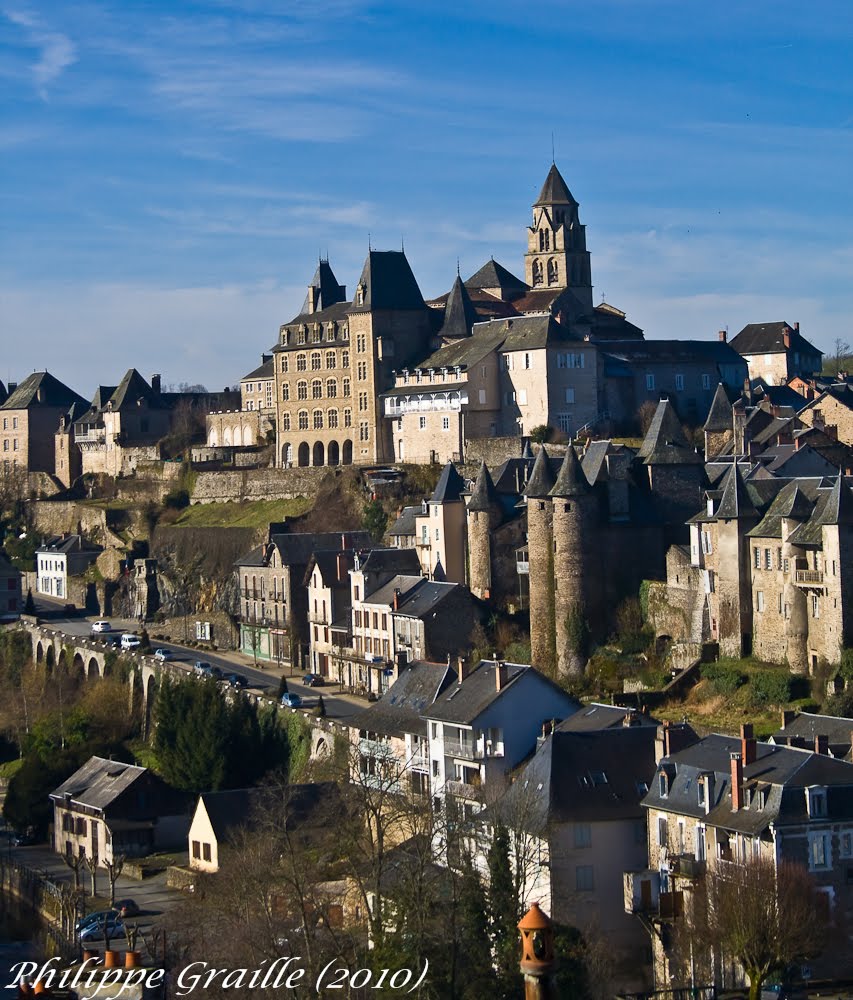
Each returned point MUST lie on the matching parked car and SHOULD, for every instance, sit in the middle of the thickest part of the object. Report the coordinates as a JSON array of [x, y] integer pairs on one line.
[[130, 640], [24, 838], [95, 932], [290, 700], [163, 655], [101, 626], [98, 917], [236, 680], [127, 907], [205, 669], [313, 680]]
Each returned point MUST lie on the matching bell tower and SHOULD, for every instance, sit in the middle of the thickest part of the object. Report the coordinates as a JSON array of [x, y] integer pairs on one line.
[[556, 256]]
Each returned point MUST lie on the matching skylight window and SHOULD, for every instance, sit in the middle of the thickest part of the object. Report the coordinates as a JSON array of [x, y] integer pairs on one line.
[[598, 777]]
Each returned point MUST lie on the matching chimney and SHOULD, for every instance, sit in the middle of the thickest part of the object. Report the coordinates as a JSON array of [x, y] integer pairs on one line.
[[396, 598], [748, 746], [547, 728], [797, 326], [155, 384], [631, 718], [737, 782], [463, 668], [787, 718], [723, 335], [786, 337], [312, 298], [341, 566], [12, 386], [500, 675], [821, 744]]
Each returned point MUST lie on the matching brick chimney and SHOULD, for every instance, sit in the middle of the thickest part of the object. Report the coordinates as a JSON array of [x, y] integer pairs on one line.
[[737, 782], [748, 746], [821, 744], [463, 668], [787, 718], [396, 598], [500, 675], [723, 335], [155, 384], [786, 337]]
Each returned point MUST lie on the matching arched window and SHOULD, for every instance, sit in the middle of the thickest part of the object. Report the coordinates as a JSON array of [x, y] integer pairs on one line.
[[285, 421], [301, 389], [541, 239], [318, 420], [347, 418], [287, 454], [345, 359], [316, 389], [345, 390], [552, 271], [315, 361], [330, 359], [303, 420], [301, 362], [285, 392], [284, 364], [537, 273], [317, 333], [331, 387], [332, 417]]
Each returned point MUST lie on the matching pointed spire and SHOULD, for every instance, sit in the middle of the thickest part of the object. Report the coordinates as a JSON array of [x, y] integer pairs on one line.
[[459, 312], [555, 191], [541, 480], [665, 443], [484, 496], [735, 501], [720, 414], [838, 508], [526, 450], [572, 481], [449, 487]]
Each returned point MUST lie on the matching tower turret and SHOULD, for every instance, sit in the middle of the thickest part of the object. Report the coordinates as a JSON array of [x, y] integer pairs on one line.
[[483, 516], [541, 560]]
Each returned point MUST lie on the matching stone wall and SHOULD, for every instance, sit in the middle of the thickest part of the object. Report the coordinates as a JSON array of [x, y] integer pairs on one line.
[[257, 484], [492, 450]]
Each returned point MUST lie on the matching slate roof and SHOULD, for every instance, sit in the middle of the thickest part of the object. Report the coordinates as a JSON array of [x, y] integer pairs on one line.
[[467, 351], [54, 393], [463, 703], [720, 415], [425, 597], [735, 501], [232, 809], [484, 496], [132, 388], [296, 548], [495, 275], [459, 312], [806, 726], [400, 709], [584, 776], [99, 782], [555, 191], [571, 481], [405, 523], [713, 352], [390, 561], [329, 292], [266, 370], [665, 443], [449, 487], [784, 771], [541, 478], [768, 338], [4, 393], [229, 810], [787, 461], [795, 501], [595, 716], [68, 543], [388, 283], [336, 313], [326, 560]]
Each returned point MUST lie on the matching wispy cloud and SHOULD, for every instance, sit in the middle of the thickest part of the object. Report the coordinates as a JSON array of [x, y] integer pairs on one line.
[[56, 51]]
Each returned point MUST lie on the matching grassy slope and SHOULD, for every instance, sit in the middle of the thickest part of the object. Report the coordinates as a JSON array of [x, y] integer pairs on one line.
[[252, 514]]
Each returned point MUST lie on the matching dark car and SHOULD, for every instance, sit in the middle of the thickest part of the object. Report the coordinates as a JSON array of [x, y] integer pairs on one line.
[[127, 907], [290, 700], [236, 680], [205, 669], [313, 681], [91, 919], [25, 838]]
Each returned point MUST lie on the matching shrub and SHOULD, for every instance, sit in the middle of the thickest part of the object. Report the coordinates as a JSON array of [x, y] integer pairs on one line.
[[540, 434], [724, 677], [775, 687], [176, 499]]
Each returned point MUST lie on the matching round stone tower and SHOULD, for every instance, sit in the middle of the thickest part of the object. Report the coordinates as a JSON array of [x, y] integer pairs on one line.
[[795, 604], [483, 515], [540, 548], [574, 509]]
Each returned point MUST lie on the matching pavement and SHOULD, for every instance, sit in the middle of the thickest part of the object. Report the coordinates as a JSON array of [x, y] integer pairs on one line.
[[263, 679]]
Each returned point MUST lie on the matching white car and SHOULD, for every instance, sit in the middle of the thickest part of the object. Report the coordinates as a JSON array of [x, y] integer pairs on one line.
[[101, 626], [130, 641], [163, 655]]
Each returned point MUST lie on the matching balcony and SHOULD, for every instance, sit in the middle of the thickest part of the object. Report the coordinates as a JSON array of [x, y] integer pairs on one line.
[[477, 750], [809, 578], [643, 897], [522, 567], [95, 435], [686, 866]]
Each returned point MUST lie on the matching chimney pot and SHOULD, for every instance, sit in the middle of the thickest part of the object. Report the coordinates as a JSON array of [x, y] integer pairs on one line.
[[723, 335], [737, 782]]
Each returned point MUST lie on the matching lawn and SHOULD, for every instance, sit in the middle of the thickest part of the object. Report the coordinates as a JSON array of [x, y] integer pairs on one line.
[[249, 514]]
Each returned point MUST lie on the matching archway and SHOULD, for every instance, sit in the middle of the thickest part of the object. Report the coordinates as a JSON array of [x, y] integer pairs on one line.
[[150, 690], [346, 455], [92, 670], [213, 439], [304, 454], [334, 454], [287, 455], [49, 658], [226, 437], [77, 667], [39, 652], [62, 662], [319, 453], [247, 436]]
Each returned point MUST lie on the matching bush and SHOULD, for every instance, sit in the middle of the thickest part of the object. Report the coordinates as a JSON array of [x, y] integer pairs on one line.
[[776, 687], [540, 434], [725, 678], [176, 499]]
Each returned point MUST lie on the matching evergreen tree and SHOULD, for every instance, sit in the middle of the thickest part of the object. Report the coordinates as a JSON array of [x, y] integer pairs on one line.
[[29, 604], [477, 975], [503, 915], [282, 688], [320, 708]]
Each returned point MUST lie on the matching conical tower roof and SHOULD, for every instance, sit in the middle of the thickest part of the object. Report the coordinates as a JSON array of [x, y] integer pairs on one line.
[[449, 487], [484, 496], [838, 508], [571, 481], [720, 414], [541, 480], [735, 501], [555, 191], [459, 312], [665, 443]]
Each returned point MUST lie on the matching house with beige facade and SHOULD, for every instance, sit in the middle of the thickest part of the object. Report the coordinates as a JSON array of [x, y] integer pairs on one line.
[[777, 352]]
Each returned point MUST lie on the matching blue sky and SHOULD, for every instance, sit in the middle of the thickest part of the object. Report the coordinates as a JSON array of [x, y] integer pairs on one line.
[[171, 170]]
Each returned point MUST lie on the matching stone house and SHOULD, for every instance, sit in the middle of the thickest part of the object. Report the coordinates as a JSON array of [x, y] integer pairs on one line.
[[60, 558], [11, 596], [777, 352], [723, 801], [254, 422], [273, 598], [440, 529], [329, 609], [28, 421], [107, 808], [825, 733], [831, 408]]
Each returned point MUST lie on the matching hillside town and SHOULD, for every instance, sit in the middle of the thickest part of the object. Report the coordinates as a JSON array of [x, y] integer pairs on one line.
[[452, 613]]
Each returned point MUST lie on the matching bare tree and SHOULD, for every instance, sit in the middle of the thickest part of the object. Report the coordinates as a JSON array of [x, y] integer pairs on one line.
[[114, 868], [75, 863], [92, 867]]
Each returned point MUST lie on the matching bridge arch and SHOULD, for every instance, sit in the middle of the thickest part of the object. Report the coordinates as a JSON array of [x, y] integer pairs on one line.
[[93, 670], [39, 652]]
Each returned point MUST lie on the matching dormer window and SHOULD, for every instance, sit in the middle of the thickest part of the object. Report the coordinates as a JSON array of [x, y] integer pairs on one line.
[[816, 802], [663, 784], [359, 295], [702, 792]]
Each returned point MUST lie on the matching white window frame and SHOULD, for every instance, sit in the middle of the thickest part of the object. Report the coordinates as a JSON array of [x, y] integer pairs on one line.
[[820, 851]]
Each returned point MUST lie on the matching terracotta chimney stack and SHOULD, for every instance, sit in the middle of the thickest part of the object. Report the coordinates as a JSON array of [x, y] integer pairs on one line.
[[723, 335], [396, 598], [500, 675], [748, 746], [821, 744], [787, 718], [786, 338], [737, 782]]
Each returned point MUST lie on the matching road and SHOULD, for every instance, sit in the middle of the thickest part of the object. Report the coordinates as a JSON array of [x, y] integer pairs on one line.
[[339, 706]]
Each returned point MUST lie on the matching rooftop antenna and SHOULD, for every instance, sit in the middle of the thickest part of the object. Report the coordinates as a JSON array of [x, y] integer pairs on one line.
[[458, 275], [369, 246], [402, 244], [552, 148]]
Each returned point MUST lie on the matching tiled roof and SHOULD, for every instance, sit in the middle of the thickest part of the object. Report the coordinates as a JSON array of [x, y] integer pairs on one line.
[[484, 495], [769, 338], [571, 481], [52, 391], [99, 782], [329, 292], [541, 478], [463, 703], [405, 523], [806, 726], [400, 709], [555, 191], [595, 716], [459, 312], [735, 501], [665, 443], [495, 275], [132, 388], [449, 487], [720, 415], [266, 370], [389, 283]]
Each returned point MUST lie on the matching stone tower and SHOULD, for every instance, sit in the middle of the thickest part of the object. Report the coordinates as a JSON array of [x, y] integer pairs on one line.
[[736, 515], [483, 515], [540, 548], [557, 256], [796, 511], [574, 509]]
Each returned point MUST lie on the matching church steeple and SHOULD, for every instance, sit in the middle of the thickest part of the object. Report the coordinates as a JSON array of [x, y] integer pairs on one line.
[[556, 256]]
